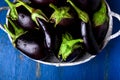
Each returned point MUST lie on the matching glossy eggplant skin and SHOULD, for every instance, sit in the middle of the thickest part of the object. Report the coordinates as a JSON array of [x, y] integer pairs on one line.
[[31, 44], [51, 37], [47, 36], [90, 43], [100, 33], [24, 19]]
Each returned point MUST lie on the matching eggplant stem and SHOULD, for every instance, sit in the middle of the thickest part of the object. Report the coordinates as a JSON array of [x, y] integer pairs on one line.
[[53, 6], [68, 46], [13, 11], [59, 14], [18, 4], [18, 30], [81, 14], [38, 14], [30, 9], [35, 13], [101, 15], [16, 33]]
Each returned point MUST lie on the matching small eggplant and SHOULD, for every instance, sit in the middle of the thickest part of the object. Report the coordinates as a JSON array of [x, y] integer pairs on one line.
[[100, 24], [89, 40], [45, 29], [52, 37], [82, 15], [34, 12], [23, 17], [100, 33], [30, 43]]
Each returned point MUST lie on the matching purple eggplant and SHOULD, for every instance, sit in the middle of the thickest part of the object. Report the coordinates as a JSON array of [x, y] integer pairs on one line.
[[52, 37], [28, 42], [82, 15], [33, 11], [24, 19], [45, 27], [100, 24], [100, 33], [31, 44], [22, 16], [90, 43]]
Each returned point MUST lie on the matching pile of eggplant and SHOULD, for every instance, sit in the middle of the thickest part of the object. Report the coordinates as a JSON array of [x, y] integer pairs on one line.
[[65, 29]]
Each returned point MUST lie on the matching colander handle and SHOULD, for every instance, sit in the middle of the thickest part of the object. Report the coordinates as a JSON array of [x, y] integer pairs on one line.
[[1, 9], [113, 14]]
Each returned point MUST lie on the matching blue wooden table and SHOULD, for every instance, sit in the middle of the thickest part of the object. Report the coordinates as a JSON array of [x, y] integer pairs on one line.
[[105, 66]]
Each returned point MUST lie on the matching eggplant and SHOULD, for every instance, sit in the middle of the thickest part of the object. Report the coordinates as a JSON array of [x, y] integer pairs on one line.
[[35, 13], [28, 42], [90, 43], [100, 33], [22, 17], [52, 37], [82, 15], [46, 30], [100, 24], [31, 44]]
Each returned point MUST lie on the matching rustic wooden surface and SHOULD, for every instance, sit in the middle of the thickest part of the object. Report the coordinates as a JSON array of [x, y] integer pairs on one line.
[[105, 66]]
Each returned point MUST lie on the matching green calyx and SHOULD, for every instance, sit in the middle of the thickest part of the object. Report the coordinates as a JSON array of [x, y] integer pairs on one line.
[[68, 46], [13, 11], [81, 14], [101, 15], [17, 31], [59, 14], [35, 13]]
